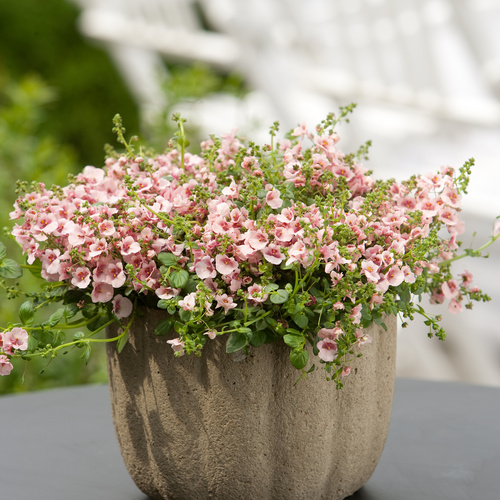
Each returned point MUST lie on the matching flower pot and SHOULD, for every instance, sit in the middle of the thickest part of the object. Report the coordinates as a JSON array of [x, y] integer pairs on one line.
[[234, 427]]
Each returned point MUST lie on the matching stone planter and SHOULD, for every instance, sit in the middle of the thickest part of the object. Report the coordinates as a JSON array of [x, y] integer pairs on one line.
[[229, 428]]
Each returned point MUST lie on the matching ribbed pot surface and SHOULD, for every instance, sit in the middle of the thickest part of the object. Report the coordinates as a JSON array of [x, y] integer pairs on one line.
[[217, 427]]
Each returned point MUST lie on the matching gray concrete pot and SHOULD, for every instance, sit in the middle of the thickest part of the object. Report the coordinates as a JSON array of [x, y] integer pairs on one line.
[[215, 428]]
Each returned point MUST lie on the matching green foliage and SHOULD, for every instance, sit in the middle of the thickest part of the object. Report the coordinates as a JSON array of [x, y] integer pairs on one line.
[[318, 291], [84, 88]]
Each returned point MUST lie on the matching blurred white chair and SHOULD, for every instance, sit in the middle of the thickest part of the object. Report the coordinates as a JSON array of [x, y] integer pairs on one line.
[[400, 54], [425, 56], [140, 34]]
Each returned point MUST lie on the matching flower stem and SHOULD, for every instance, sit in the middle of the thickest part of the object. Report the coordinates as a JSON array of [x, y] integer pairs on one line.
[[471, 253]]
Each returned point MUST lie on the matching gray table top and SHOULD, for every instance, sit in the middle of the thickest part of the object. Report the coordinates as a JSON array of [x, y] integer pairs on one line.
[[443, 443]]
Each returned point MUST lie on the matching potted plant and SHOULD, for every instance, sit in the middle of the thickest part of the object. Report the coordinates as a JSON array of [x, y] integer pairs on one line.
[[225, 277]]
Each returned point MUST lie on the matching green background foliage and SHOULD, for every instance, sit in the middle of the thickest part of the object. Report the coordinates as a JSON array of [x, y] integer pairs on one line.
[[58, 96], [41, 37]]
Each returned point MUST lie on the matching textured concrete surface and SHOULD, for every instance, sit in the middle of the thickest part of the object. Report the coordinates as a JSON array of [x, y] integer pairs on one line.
[[212, 427]]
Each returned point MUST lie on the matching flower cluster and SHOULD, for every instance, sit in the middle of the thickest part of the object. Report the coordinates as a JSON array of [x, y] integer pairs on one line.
[[293, 241]]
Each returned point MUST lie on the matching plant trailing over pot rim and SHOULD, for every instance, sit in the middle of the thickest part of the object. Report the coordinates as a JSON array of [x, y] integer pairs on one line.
[[292, 241]]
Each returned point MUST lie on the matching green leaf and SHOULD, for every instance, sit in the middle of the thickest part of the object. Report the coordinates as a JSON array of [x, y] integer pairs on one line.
[[46, 337], [98, 323], [122, 342], [261, 324], [279, 297], [56, 317], [36, 271], [32, 343], [271, 336], [257, 338], [168, 259], [164, 327], [27, 312], [271, 287], [73, 296], [378, 318], [10, 269], [404, 294], [178, 279], [293, 340], [185, 316], [299, 358], [300, 319], [245, 330], [236, 341], [58, 337], [180, 327], [71, 310], [86, 353], [162, 304], [192, 285], [3, 251], [89, 310], [271, 321], [78, 336]]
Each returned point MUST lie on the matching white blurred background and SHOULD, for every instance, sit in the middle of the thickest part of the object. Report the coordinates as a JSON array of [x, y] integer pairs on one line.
[[425, 75]]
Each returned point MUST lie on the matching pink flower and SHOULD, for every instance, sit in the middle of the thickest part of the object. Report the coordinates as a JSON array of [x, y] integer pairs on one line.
[[50, 260], [327, 349], [97, 248], [256, 293], [297, 251], [395, 276], [225, 265], [273, 199], [166, 293], [76, 234], [102, 292], [17, 339], [114, 274], [122, 306], [284, 234], [257, 239], [330, 333], [225, 302], [129, 246], [5, 365], [395, 218], [409, 276], [496, 228], [188, 303], [211, 334], [107, 228], [301, 130], [467, 279], [46, 223], [369, 269], [451, 197], [448, 216], [363, 338], [177, 346], [455, 307], [205, 269], [450, 289], [81, 277], [272, 254], [356, 314]]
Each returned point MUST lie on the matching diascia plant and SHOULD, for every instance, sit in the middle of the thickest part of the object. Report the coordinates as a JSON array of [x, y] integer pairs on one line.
[[293, 241]]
